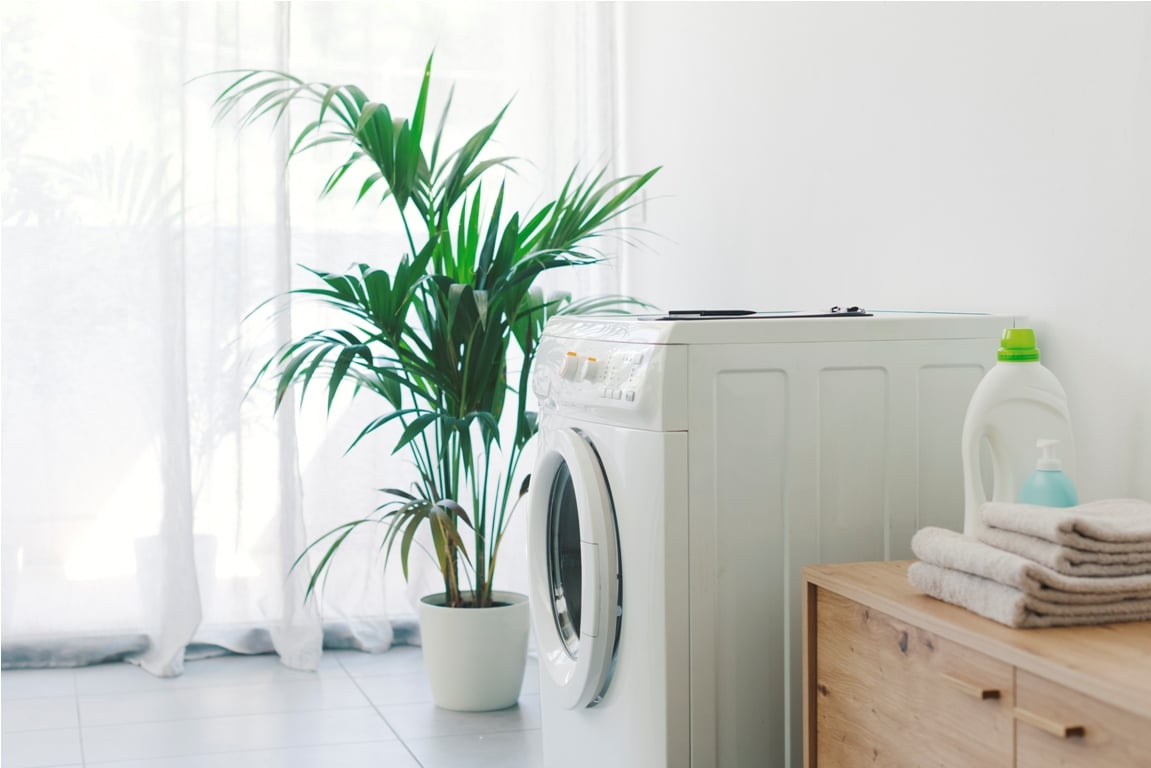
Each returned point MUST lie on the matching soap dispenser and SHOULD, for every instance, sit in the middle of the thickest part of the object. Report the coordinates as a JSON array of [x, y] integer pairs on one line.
[[1047, 486]]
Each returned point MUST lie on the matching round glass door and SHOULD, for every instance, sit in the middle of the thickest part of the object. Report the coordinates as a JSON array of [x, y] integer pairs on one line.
[[565, 566], [575, 570]]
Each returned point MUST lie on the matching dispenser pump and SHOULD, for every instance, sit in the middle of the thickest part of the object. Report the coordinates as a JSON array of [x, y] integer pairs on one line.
[[1047, 485], [1048, 461]]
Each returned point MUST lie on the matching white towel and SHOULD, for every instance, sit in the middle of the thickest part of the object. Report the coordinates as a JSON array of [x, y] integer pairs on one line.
[[1014, 607], [1112, 525], [948, 549], [1067, 560]]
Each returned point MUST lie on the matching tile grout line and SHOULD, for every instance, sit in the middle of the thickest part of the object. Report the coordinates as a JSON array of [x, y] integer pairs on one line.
[[197, 689], [224, 752], [228, 716], [364, 693], [79, 719]]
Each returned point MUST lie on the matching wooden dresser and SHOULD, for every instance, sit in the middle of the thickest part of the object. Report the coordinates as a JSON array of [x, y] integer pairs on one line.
[[895, 678]]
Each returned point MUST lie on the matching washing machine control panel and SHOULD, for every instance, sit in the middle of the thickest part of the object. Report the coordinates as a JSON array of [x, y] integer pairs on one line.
[[618, 375], [602, 376], [611, 374]]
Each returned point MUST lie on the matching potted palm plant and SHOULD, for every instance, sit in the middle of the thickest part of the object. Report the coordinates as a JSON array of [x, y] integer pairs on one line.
[[435, 340]]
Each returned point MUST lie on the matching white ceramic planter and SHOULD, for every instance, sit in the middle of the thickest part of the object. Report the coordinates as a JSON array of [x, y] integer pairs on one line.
[[475, 657]]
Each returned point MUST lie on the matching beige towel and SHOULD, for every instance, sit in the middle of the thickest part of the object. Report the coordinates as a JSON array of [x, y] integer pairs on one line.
[[1067, 560], [1112, 525], [949, 549], [1013, 607]]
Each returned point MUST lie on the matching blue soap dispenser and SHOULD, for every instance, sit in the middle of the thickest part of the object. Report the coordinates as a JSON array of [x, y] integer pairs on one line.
[[1047, 486]]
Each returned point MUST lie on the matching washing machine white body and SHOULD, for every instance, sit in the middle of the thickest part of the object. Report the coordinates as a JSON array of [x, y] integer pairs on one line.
[[687, 470]]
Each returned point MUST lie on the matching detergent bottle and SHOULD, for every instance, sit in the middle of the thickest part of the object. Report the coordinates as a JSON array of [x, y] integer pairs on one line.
[[1017, 403]]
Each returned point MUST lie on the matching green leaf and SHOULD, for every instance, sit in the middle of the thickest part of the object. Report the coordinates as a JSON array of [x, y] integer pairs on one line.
[[367, 185], [406, 163], [336, 378], [487, 253], [441, 544], [380, 421], [440, 131], [306, 374], [341, 533], [339, 174], [406, 545], [489, 427], [335, 100], [422, 103], [453, 508], [417, 425], [399, 493], [288, 373], [453, 185], [442, 521]]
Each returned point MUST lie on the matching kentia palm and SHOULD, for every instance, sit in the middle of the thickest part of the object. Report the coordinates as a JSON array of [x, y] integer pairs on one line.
[[433, 337]]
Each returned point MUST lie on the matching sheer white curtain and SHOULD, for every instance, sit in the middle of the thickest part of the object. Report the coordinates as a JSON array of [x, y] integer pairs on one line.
[[149, 508]]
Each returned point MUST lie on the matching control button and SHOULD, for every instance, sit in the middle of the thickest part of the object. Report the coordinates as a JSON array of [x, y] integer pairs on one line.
[[616, 394], [604, 392], [590, 368], [569, 365], [629, 395]]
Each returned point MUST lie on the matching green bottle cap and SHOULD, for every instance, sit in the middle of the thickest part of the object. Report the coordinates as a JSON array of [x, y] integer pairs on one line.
[[1018, 346]]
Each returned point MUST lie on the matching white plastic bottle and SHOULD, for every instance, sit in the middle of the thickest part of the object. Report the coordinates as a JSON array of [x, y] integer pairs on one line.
[[1017, 403]]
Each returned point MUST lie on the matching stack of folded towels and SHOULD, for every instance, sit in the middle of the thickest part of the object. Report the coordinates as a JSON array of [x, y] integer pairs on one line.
[[1044, 566]]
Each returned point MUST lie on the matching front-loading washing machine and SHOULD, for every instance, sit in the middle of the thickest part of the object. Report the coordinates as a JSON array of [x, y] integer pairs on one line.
[[688, 466]]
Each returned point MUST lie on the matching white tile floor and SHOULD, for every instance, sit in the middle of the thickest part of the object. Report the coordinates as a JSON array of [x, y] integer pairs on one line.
[[359, 709]]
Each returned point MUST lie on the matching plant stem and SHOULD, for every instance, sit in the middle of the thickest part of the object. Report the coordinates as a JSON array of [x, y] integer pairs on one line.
[[407, 229], [483, 584]]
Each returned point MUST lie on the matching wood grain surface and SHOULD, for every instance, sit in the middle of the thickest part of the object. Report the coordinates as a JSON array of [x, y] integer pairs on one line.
[[890, 693], [1110, 662], [893, 677]]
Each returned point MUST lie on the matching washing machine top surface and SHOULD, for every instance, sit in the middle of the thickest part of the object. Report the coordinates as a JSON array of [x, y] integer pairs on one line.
[[744, 326]]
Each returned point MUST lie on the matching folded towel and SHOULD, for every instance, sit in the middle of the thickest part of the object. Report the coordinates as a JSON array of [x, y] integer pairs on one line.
[[1013, 607], [1067, 560], [949, 549], [1112, 525]]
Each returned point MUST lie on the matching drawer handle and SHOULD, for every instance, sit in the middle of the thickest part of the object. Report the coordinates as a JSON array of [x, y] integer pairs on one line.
[[1050, 726], [970, 688]]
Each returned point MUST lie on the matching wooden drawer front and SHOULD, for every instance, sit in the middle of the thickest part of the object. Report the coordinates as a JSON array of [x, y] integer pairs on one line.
[[1110, 737], [888, 693]]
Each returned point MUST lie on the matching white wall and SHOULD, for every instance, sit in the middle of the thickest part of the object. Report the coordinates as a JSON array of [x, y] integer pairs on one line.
[[981, 157]]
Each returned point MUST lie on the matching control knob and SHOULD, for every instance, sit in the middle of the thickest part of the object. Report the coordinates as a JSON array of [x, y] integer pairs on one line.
[[569, 365]]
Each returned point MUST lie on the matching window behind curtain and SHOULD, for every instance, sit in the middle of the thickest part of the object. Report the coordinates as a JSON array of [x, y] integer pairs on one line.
[[138, 235]]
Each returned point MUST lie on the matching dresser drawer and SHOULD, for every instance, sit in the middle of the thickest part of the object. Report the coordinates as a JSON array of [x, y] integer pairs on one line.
[[1056, 726], [888, 693]]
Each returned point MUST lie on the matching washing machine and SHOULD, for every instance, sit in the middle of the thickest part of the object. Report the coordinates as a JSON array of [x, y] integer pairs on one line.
[[688, 466]]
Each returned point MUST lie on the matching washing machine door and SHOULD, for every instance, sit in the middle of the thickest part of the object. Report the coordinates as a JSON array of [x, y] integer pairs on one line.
[[575, 568]]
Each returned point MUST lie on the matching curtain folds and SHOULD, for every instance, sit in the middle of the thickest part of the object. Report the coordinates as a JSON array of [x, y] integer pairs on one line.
[[152, 506]]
